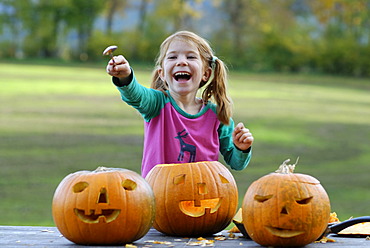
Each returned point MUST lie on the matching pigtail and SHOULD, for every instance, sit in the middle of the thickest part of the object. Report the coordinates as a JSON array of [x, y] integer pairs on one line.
[[157, 82], [217, 89]]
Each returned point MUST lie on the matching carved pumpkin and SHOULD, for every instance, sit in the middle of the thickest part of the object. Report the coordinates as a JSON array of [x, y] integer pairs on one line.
[[193, 199], [105, 206], [285, 208]]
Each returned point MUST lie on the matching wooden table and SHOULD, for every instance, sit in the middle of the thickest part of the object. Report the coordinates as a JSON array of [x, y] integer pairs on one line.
[[36, 236]]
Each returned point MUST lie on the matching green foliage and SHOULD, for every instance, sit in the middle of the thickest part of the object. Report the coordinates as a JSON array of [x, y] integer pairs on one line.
[[326, 36], [61, 118], [99, 41], [343, 57]]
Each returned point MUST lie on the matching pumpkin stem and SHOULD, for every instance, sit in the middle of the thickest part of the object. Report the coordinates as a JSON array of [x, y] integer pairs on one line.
[[101, 168], [287, 168]]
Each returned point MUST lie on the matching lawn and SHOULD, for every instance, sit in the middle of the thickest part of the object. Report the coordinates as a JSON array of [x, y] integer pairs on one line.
[[58, 119]]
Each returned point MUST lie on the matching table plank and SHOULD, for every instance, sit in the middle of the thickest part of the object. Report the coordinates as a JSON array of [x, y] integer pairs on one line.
[[38, 236]]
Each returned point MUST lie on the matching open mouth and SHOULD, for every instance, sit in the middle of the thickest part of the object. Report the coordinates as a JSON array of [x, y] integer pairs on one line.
[[283, 233], [182, 76], [191, 208], [106, 216]]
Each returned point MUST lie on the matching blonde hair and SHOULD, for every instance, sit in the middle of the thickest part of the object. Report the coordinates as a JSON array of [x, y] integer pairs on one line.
[[216, 89]]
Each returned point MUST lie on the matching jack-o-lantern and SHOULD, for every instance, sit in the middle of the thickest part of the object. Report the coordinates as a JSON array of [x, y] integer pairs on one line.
[[105, 206], [193, 199], [285, 208]]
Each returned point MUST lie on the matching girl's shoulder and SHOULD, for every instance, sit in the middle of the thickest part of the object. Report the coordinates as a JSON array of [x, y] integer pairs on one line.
[[212, 106]]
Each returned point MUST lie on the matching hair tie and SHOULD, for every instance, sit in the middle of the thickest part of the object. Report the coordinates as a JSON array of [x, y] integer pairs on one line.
[[213, 62], [214, 58]]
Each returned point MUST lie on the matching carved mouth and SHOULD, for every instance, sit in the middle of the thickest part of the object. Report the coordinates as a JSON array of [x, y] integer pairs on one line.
[[193, 209], [283, 233], [106, 216]]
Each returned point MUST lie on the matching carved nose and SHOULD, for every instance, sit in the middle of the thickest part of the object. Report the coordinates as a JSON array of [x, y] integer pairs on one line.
[[284, 210], [202, 189], [103, 196]]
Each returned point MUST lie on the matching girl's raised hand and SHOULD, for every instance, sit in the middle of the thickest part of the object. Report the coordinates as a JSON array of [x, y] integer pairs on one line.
[[119, 67], [242, 138]]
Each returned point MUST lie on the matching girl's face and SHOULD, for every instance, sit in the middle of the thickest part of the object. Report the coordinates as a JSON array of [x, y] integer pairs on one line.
[[183, 68]]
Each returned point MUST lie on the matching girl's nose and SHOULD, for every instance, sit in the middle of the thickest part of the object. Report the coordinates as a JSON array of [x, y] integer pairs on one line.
[[181, 60]]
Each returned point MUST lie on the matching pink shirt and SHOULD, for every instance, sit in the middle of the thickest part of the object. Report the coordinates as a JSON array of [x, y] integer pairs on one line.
[[174, 138]]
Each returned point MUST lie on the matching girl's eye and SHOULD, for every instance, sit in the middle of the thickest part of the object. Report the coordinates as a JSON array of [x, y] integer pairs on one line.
[[171, 57], [192, 57]]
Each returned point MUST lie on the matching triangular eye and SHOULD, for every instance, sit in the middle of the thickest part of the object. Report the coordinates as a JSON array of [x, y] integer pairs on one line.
[[80, 186], [262, 198], [304, 200], [129, 184], [223, 179], [180, 179]]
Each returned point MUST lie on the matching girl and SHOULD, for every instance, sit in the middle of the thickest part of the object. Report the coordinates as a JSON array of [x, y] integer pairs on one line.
[[181, 127]]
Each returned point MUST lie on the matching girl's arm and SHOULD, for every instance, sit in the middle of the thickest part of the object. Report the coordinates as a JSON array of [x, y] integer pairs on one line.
[[147, 101], [233, 155]]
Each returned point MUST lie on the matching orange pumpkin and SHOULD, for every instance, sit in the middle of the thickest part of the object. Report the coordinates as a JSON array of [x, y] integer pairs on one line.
[[285, 208], [105, 206], [193, 199]]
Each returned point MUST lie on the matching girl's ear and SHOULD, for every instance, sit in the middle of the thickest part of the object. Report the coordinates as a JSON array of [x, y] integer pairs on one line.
[[160, 73], [207, 74]]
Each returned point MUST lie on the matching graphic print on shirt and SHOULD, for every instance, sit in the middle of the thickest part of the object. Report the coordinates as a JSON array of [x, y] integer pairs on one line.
[[184, 147]]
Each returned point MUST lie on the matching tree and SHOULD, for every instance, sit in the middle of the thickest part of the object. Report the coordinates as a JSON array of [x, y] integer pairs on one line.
[[10, 23], [81, 17], [346, 17], [176, 15], [256, 28], [345, 35], [113, 6]]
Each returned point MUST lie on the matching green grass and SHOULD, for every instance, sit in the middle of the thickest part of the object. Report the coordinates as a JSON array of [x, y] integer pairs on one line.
[[55, 120]]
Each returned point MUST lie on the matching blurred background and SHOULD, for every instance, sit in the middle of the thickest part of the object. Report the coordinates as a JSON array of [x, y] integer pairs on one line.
[[299, 79], [329, 36]]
